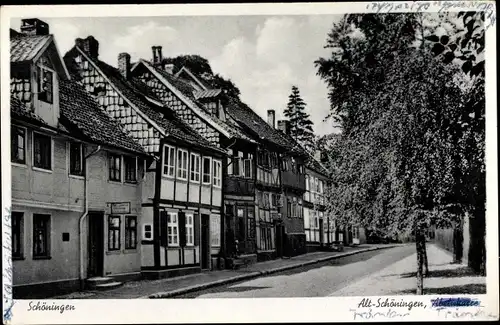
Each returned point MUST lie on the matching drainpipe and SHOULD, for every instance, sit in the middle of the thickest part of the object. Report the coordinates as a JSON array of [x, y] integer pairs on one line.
[[84, 215]]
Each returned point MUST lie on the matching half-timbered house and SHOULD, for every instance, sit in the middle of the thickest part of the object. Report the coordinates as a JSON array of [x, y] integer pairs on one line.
[[182, 190], [205, 109]]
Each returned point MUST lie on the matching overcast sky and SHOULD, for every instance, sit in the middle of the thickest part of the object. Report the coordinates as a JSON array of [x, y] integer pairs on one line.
[[263, 55]]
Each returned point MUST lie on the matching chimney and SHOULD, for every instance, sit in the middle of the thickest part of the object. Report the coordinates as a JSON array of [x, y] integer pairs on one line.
[[124, 64], [34, 26], [271, 114], [89, 45], [284, 126], [157, 56], [169, 68]]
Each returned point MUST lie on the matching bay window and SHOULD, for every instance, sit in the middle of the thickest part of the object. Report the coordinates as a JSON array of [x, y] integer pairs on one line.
[[182, 164], [195, 168], [169, 161], [207, 170]]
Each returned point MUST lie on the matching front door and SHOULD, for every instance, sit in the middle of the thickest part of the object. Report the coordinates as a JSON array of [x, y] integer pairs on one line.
[[96, 244], [280, 230], [205, 244], [321, 237]]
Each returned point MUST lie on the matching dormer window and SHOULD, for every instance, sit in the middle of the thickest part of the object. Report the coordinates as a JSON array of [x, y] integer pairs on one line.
[[99, 91], [45, 84]]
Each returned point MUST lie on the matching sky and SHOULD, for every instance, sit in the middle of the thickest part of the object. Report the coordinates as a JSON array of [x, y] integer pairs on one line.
[[263, 55]]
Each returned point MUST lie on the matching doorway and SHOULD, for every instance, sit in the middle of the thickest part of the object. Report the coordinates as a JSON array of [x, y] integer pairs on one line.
[[205, 244], [280, 238], [96, 244]]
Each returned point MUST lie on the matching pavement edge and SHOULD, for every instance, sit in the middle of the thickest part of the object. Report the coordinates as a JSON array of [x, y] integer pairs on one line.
[[178, 292]]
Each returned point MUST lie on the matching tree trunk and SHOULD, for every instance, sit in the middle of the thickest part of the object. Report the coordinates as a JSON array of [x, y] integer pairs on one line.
[[426, 261], [420, 262]]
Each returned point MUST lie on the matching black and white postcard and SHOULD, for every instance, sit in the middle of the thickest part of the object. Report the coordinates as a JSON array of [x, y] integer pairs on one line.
[[198, 163]]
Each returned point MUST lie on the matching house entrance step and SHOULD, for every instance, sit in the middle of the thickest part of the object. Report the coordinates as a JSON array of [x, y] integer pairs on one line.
[[101, 283]]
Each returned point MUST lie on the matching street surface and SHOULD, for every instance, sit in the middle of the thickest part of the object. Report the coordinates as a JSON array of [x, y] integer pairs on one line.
[[318, 280]]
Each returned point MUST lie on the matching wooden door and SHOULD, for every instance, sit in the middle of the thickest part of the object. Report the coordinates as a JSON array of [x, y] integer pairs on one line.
[[96, 244]]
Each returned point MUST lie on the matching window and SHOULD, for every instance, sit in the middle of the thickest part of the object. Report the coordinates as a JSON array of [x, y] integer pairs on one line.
[[115, 167], [172, 229], [289, 208], [147, 232], [189, 230], [169, 161], [45, 87], [42, 155], [17, 234], [130, 232], [236, 166], [195, 168], [114, 224], [130, 169], [248, 168], [18, 148], [75, 158], [215, 230], [250, 223], [207, 172], [41, 235], [182, 164]]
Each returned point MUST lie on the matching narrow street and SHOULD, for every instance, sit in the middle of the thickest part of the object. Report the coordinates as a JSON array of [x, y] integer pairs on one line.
[[317, 280]]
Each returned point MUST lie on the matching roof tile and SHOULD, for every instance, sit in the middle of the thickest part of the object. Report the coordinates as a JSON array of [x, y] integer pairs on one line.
[[19, 110], [26, 47], [79, 110]]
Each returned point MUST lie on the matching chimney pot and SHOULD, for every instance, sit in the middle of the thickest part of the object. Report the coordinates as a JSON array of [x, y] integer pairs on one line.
[[157, 55], [271, 115], [89, 45], [284, 126], [124, 64], [34, 26]]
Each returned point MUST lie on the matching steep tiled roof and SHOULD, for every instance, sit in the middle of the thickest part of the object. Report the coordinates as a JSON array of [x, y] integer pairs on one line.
[[188, 92], [19, 110], [79, 110], [207, 93], [251, 120], [315, 165], [162, 116], [26, 47]]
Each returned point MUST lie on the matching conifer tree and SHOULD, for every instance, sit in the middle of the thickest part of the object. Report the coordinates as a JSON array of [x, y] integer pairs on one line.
[[300, 123]]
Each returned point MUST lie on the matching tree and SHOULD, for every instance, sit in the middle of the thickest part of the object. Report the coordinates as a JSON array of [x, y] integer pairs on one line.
[[467, 46], [201, 68], [393, 168], [300, 123]]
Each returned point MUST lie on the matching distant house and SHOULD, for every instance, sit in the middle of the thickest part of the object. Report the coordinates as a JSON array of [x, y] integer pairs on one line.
[[63, 193], [319, 226], [182, 189]]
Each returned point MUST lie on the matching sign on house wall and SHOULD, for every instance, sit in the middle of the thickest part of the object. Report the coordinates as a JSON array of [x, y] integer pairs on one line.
[[120, 208]]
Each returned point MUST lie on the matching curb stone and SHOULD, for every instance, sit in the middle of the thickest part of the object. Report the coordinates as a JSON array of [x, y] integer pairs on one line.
[[181, 291]]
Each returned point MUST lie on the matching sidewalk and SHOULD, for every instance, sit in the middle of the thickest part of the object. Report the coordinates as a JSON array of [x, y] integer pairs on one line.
[[400, 279], [170, 287]]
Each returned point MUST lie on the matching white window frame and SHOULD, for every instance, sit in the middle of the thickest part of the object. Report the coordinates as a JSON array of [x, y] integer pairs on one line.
[[249, 161], [217, 173], [33, 153], [195, 174], [25, 164], [189, 226], [209, 172], [170, 168], [182, 164], [171, 225], [125, 170], [82, 153]]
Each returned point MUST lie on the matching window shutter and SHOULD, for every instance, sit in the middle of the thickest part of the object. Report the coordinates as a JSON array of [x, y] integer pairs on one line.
[[163, 229], [182, 229], [197, 229]]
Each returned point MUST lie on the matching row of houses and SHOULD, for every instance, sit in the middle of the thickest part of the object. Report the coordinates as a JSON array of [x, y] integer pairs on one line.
[[132, 171]]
